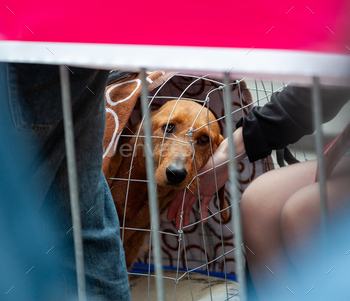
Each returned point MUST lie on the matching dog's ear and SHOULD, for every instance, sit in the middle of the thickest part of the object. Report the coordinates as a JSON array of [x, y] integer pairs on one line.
[[220, 139], [221, 194]]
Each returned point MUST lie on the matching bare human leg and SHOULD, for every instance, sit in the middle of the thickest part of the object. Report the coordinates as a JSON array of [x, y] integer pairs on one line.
[[280, 214], [261, 207], [300, 217]]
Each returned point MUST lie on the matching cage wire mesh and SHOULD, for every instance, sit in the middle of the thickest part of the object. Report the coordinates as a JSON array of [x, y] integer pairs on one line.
[[198, 259]]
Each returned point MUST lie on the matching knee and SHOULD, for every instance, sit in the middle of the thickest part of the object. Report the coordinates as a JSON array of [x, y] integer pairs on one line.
[[298, 221], [249, 214], [249, 202], [290, 223], [257, 198], [257, 207]]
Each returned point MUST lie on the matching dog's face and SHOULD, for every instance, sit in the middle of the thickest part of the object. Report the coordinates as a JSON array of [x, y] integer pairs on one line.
[[175, 163]]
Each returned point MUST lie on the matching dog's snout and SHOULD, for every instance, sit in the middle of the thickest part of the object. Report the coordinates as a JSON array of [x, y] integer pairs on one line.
[[175, 174]]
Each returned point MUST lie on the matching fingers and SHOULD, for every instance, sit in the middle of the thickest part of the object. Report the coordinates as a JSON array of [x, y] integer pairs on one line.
[[188, 208], [205, 207], [189, 202], [174, 206]]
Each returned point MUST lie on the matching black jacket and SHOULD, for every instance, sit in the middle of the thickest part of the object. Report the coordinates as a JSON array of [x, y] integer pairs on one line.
[[287, 118]]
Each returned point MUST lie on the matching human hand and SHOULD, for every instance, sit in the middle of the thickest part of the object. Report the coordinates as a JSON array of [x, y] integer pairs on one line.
[[208, 185]]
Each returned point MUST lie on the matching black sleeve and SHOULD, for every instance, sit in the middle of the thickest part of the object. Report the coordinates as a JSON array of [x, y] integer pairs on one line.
[[286, 119]]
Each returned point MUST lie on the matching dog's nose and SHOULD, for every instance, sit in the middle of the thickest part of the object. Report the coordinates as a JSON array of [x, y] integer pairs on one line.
[[175, 174]]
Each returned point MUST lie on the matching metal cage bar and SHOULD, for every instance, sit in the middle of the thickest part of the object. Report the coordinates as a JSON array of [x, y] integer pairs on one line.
[[73, 181], [152, 190], [235, 210], [321, 171]]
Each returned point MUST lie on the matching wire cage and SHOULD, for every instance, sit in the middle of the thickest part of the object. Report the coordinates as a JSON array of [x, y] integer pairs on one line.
[[309, 53], [197, 259]]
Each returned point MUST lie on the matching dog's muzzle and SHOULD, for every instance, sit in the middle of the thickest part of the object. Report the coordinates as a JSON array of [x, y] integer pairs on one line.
[[175, 174]]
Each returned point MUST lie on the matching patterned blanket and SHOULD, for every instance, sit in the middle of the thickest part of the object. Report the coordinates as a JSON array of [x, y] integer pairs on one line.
[[212, 243]]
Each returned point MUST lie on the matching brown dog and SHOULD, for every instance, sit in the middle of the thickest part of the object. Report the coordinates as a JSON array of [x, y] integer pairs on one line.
[[174, 166]]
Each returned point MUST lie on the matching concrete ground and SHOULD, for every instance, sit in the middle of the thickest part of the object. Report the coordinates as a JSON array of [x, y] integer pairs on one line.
[[196, 288]]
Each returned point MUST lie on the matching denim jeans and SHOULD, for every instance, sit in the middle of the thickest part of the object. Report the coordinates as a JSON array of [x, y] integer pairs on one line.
[[35, 193]]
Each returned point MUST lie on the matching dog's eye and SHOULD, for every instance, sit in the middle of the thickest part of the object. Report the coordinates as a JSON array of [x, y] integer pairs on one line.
[[168, 129], [203, 139]]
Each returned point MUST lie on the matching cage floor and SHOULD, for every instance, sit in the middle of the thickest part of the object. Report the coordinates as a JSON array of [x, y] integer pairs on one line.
[[197, 288]]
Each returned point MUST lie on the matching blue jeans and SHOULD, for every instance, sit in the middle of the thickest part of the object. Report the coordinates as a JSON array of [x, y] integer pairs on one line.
[[34, 181]]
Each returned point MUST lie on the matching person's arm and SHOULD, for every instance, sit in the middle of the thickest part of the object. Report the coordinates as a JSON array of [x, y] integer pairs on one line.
[[286, 119]]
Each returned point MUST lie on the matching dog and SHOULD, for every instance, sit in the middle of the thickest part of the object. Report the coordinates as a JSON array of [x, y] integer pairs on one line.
[[175, 159]]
